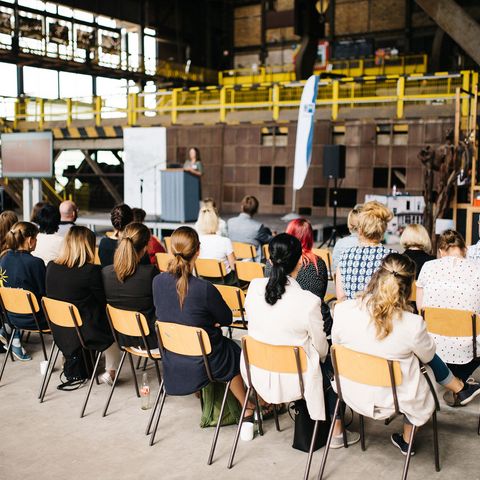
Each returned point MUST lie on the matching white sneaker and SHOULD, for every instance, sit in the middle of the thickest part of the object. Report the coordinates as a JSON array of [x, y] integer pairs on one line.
[[352, 438], [106, 378]]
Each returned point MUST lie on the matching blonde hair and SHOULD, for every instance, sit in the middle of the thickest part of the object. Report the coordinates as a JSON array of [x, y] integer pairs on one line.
[[416, 236], [352, 219], [387, 294], [17, 236], [185, 245], [207, 221], [133, 240], [78, 247], [451, 239], [373, 221], [7, 220]]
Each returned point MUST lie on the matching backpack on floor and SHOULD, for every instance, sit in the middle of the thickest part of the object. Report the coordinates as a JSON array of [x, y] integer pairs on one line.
[[212, 396]]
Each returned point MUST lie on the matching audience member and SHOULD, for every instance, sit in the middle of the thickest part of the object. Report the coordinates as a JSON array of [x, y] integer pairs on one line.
[[154, 245], [452, 281], [473, 251], [416, 242], [128, 284], [213, 245], [343, 244], [73, 277], [222, 224], [379, 322], [7, 220], [244, 228], [36, 208], [19, 269], [181, 298], [280, 312], [49, 242], [358, 264], [68, 216]]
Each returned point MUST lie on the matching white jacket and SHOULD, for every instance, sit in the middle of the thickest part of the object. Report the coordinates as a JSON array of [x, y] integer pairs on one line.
[[296, 319], [408, 340]]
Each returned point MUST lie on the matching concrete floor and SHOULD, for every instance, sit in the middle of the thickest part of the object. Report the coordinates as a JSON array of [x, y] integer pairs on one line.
[[50, 441]]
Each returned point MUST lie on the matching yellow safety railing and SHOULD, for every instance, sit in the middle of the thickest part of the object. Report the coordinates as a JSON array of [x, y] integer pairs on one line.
[[219, 104]]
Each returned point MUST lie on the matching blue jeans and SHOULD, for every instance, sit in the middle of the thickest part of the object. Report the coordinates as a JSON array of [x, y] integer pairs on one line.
[[442, 373]]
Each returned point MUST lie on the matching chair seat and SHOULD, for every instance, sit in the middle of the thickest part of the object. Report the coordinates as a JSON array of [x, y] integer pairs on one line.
[[238, 324], [34, 330], [141, 353], [328, 297]]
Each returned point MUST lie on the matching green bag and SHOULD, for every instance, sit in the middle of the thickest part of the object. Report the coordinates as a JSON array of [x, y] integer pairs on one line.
[[212, 396]]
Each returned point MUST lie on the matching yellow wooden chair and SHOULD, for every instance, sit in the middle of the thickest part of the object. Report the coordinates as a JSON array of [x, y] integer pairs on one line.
[[97, 257], [265, 252], [244, 251], [413, 293], [168, 244], [211, 269], [163, 259], [234, 297], [374, 371], [247, 271], [326, 256]]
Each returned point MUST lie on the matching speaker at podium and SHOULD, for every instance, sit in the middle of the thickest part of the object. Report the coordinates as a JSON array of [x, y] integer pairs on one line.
[[180, 195]]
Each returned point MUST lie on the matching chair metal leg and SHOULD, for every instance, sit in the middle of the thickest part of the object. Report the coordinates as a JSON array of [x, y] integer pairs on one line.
[[435, 441], [44, 379], [160, 408], [49, 375], [139, 363], [130, 358], [478, 429], [42, 340], [154, 409], [7, 352], [329, 441], [275, 416], [342, 421], [92, 379], [157, 370], [92, 359], [259, 413], [237, 433], [27, 338], [310, 452], [219, 424], [362, 432], [145, 364], [117, 374], [409, 453]]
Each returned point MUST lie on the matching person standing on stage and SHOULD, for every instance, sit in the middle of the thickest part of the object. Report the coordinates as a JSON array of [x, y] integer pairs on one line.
[[193, 164]]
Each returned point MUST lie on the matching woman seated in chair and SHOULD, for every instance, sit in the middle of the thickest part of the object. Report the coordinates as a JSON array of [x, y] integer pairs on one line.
[[379, 322], [128, 283], [417, 244], [73, 277], [452, 281], [280, 312], [20, 269], [181, 298]]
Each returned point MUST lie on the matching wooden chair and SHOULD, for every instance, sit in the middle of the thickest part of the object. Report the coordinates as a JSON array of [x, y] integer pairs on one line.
[[210, 268], [326, 256], [168, 244], [247, 271], [234, 297], [278, 359], [377, 372], [413, 293], [67, 316], [163, 259], [97, 257], [189, 341], [133, 324], [265, 252], [20, 302], [244, 251]]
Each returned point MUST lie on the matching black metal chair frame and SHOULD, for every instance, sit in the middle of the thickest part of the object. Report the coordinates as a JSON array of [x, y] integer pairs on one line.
[[161, 396], [241, 310], [221, 276], [251, 388], [339, 411]]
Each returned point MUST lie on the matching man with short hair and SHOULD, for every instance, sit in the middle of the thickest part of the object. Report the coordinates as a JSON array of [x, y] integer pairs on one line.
[[68, 216]]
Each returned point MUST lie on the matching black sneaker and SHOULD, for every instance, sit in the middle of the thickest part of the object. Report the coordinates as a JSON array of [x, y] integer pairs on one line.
[[400, 443], [468, 394]]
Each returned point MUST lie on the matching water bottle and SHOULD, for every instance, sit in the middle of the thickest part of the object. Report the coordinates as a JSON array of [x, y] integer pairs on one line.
[[145, 392]]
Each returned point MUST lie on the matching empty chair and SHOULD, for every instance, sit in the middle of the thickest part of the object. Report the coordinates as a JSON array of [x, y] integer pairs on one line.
[[168, 244], [234, 297], [247, 271], [162, 260], [265, 252], [326, 256], [244, 251], [211, 269]]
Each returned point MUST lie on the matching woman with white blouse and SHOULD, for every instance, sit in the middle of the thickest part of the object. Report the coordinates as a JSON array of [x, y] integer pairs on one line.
[[452, 281]]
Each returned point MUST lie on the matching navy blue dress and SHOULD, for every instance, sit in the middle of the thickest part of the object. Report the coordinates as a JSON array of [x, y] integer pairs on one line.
[[203, 307], [20, 269]]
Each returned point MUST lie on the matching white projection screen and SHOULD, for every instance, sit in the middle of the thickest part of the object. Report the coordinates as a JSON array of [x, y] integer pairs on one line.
[[145, 155], [27, 155]]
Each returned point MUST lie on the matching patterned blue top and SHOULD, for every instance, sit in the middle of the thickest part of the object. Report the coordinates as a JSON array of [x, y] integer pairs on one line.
[[358, 264]]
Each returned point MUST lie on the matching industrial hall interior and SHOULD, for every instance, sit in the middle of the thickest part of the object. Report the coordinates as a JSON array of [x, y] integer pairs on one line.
[[239, 239]]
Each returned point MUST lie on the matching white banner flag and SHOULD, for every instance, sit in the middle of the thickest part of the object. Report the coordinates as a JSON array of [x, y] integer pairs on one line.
[[303, 146]]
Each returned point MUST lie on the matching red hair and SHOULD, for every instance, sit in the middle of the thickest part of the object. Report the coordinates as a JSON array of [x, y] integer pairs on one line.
[[302, 229]]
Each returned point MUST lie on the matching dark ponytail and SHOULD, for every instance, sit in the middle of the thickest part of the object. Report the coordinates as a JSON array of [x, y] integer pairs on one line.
[[285, 251]]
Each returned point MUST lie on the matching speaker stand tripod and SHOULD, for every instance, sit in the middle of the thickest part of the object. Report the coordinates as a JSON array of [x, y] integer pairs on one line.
[[332, 238]]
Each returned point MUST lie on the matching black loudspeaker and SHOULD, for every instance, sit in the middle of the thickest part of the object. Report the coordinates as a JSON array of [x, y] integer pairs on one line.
[[334, 161]]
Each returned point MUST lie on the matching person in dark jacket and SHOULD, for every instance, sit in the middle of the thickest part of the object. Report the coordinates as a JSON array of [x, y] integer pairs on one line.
[[128, 284], [181, 298], [20, 269], [73, 277]]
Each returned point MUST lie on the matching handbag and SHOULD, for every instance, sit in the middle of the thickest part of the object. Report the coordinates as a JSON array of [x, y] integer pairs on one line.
[[303, 430], [212, 396], [77, 369]]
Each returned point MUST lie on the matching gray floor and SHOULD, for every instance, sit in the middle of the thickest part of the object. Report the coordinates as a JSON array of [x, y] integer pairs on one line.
[[50, 441]]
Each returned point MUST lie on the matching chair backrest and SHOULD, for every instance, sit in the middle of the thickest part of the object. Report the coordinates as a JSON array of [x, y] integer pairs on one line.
[[244, 250], [61, 313], [209, 267], [326, 256], [126, 323], [16, 300], [450, 323], [365, 369], [413, 293], [168, 244], [163, 259], [97, 257], [266, 252], [182, 339], [234, 297], [247, 271]]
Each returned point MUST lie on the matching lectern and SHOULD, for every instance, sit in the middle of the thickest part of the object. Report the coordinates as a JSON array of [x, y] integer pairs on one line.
[[180, 195]]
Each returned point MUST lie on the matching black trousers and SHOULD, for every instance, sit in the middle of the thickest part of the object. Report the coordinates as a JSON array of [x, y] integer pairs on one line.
[[464, 371]]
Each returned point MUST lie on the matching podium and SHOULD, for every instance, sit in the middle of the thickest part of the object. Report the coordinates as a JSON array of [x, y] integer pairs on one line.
[[180, 195]]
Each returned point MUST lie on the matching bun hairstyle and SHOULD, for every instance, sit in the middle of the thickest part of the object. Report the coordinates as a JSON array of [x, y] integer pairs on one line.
[[352, 219], [387, 294], [134, 239], [285, 251], [207, 221], [250, 205], [185, 245], [7, 220], [18, 234], [373, 220], [78, 247], [451, 239], [120, 216]]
